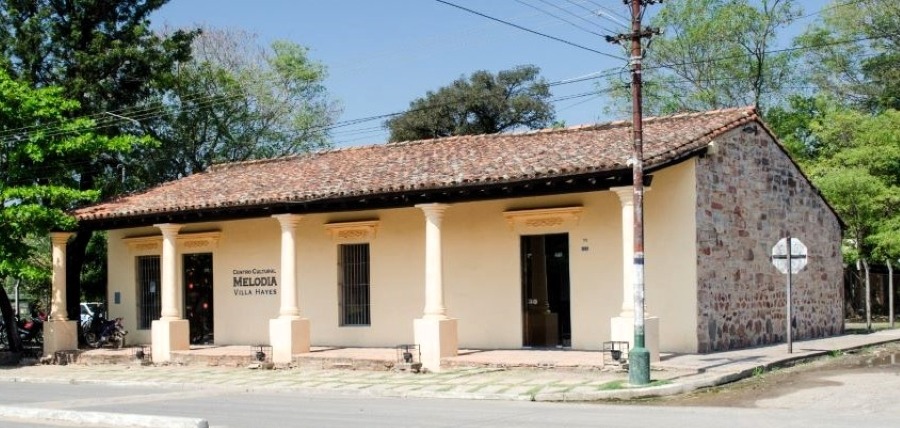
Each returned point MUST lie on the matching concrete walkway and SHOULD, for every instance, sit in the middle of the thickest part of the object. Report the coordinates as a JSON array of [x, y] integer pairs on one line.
[[552, 380]]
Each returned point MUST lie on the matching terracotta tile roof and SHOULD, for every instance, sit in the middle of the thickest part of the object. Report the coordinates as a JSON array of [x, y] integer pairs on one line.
[[426, 164]]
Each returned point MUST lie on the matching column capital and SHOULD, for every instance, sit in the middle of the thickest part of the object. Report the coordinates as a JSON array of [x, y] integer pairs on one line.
[[626, 194], [433, 211], [168, 229], [60, 237], [288, 221]]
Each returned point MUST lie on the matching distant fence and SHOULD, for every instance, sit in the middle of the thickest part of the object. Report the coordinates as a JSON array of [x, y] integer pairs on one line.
[[855, 291]]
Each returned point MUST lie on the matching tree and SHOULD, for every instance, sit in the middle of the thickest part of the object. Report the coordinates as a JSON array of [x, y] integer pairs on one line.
[[715, 54], [38, 141], [483, 103], [235, 100], [102, 55], [857, 168], [853, 51]]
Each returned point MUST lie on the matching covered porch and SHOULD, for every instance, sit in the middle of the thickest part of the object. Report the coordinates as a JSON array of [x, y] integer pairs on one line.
[[375, 359]]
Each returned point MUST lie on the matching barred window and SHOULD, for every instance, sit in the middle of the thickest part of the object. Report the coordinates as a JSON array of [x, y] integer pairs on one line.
[[149, 303], [353, 284]]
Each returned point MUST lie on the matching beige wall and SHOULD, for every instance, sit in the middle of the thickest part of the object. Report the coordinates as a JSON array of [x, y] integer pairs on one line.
[[482, 279], [671, 248]]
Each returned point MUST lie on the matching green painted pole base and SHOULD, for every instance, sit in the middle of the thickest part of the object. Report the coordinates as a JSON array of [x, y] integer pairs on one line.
[[639, 366]]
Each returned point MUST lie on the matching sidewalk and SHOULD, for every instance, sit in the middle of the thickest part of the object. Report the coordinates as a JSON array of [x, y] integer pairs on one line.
[[674, 375]]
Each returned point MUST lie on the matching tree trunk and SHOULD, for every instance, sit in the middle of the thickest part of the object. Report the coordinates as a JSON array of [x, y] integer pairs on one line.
[[9, 322], [75, 253]]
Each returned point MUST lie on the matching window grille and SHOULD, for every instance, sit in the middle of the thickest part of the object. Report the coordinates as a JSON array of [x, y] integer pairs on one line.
[[353, 284], [148, 287]]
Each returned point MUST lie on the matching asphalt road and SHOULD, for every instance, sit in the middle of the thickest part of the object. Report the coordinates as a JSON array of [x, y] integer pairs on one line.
[[241, 408]]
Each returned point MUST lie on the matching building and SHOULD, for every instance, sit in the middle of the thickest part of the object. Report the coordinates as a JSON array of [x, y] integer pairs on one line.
[[493, 242]]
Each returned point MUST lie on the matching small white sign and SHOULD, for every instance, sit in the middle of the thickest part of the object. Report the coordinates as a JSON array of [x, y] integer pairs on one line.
[[798, 255]]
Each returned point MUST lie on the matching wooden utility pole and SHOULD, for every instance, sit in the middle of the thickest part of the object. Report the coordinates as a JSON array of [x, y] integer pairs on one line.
[[638, 356]]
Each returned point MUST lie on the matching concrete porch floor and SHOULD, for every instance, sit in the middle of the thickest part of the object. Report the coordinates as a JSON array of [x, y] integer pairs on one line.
[[360, 358]]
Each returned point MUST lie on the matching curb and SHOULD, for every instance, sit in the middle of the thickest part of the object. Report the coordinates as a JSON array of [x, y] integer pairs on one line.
[[80, 418]]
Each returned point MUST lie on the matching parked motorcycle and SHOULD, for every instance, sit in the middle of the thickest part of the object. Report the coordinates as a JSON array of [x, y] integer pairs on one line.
[[32, 330], [111, 332]]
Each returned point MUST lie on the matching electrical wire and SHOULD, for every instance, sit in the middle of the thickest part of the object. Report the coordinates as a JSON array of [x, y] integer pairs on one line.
[[598, 13], [529, 30], [560, 18], [610, 14]]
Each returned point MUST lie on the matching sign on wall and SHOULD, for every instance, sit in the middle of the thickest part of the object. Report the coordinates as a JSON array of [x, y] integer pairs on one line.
[[255, 282]]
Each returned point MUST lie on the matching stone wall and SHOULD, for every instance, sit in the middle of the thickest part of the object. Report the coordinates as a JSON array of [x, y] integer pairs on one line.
[[749, 195]]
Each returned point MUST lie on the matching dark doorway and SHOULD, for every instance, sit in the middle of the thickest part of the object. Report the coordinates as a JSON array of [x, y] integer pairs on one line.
[[545, 291], [198, 296]]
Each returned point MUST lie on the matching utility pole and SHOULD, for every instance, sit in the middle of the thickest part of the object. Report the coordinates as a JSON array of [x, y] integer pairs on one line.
[[638, 356]]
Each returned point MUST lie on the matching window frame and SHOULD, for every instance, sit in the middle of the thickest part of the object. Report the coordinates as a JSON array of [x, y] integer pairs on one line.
[[354, 282]]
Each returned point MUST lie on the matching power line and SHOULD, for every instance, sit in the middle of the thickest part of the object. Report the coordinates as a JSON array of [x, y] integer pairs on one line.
[[796, 48], [824, 9], [569, 12], [529, 30], [210, 100], [601, 12], [559, 18], [610, 14]]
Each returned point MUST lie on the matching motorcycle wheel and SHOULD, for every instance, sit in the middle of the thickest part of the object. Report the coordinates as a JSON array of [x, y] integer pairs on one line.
[[91, 339]]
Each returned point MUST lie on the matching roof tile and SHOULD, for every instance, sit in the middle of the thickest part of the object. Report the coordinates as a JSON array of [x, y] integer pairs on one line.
[[437, 163]]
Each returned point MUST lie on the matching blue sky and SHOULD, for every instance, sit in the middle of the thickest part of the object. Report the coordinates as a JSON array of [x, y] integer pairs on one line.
[[382, 54]]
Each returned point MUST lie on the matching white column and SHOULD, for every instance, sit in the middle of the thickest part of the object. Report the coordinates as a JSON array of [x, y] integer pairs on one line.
[[434, 270], [60, 334], [289, 306], [622, 326], [170, 332], [58, 302], [435, 332], [289, 333], [171, 309], [626, 197]]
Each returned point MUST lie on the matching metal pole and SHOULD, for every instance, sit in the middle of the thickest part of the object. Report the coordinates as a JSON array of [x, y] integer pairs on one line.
[[790, 324], [639, 356], [890, 293], [17, 297]]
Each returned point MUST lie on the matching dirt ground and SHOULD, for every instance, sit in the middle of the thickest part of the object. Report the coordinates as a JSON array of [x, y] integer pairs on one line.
[[866, 380]]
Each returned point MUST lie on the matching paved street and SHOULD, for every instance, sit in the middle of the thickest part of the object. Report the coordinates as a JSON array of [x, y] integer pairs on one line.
[[470, 397], [230, 407]]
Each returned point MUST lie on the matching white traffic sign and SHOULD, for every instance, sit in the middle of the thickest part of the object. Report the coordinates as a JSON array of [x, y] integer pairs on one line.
[[798, 255]]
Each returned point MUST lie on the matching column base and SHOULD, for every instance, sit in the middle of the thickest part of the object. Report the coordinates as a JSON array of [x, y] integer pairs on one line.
[[288, 337], [60, 336], [622, 329], [437, 338], [167, 336]]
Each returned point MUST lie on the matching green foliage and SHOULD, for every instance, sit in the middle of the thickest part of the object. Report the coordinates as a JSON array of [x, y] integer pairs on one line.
[[857, 167], [37, 186], [103, 57], [235, 100], [715, 54], [854, 51], [483, 103]]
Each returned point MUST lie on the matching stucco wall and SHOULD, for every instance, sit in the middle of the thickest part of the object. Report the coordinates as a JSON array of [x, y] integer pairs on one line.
[[481, 274], [749, 196], [670, 248], [482, 279]]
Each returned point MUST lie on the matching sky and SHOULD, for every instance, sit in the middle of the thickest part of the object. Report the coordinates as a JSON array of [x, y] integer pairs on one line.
[[382, 54]]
